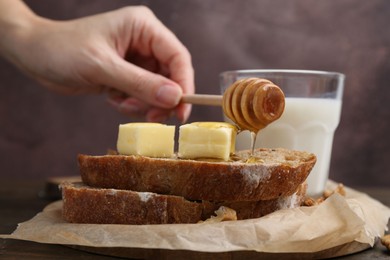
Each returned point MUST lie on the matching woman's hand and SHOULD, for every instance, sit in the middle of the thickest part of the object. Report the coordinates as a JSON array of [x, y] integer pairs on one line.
[[127, 53]]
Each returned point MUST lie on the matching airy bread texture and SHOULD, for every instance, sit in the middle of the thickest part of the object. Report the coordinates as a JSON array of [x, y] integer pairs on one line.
[[84, 204], [275, 173]]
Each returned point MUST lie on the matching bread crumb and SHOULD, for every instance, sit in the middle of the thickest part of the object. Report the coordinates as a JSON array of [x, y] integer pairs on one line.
[[310, 202], [339, 189], [223, 214], [327, 193], [386, 241]]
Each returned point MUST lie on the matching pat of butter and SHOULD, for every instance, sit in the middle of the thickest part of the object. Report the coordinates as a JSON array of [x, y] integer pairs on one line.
[[147, 139], [207, 140]]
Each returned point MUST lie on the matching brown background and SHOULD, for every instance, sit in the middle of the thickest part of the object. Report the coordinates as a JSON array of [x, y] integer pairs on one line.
[[42, 132]]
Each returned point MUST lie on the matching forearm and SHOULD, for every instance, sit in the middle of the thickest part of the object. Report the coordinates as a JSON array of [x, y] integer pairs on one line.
[[16, 22]]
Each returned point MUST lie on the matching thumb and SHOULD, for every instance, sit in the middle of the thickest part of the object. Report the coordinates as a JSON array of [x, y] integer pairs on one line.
[[142, 84]]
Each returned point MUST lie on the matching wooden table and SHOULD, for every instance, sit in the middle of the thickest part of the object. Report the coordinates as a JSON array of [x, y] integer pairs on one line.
[[21, 200]]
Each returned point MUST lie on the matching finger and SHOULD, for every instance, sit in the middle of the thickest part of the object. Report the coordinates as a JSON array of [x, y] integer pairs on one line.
[[129, 106], [158, 115], [136, 108], [144, 85], [153, 89], [178, 61], [158, 41], [116, 94], [183, 112]]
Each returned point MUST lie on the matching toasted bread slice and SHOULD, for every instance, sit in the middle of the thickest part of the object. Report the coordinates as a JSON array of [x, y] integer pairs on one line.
[[275, 173], [84, 204]]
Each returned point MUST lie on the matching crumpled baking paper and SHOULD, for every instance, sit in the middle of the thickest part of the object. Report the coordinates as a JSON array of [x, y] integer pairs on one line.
[[356, 218]]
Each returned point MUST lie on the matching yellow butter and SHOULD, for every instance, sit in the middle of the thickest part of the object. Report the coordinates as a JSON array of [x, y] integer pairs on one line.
[[147, 139], [207, 140]]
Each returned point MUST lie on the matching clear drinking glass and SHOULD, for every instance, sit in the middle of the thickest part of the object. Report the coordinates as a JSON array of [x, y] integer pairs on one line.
[[311, 115]]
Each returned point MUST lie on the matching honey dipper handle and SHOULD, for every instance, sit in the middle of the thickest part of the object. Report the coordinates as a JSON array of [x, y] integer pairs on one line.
[[206, 100]]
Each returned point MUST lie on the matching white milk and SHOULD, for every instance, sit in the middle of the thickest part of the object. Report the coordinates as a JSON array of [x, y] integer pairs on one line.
[[307, 124]]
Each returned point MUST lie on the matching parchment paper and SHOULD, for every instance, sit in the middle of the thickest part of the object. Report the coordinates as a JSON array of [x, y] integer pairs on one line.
[[339, 220]]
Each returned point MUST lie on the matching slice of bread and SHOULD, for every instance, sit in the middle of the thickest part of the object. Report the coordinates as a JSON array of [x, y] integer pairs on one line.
[[275, 173], [84, 204]]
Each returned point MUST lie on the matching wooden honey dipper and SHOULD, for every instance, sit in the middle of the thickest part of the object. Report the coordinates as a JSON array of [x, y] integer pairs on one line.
[[251, 103]]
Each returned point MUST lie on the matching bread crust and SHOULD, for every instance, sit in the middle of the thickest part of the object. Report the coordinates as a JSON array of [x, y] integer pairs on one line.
[[278, 173], [84, 204]]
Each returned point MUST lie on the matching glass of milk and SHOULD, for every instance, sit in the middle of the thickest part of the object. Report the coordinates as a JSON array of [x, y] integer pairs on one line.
[[311, 115]]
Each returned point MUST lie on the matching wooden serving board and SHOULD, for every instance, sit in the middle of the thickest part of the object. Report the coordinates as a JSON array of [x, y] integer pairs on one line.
[[141, 253]]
